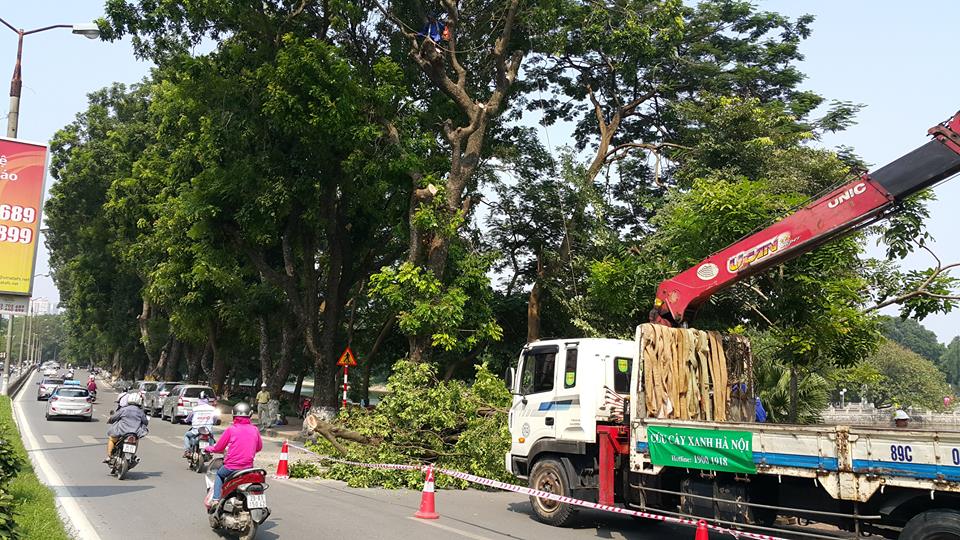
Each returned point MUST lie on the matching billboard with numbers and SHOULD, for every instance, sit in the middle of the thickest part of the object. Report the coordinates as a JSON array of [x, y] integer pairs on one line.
[[23, 168]]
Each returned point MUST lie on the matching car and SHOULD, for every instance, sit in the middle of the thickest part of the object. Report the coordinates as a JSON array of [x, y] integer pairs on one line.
[[153, 399], [71, 382], [47, 386], [70, 401], [181, 400], [143, 387], [50, 372]]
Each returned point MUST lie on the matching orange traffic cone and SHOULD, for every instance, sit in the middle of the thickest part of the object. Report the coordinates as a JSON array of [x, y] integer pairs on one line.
[[701, 531], [427, 502], [282, 472]]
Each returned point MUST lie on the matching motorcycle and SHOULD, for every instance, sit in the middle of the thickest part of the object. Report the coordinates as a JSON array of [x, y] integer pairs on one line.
[[93, 395], [243, 503], [124, 456], [198, 458]]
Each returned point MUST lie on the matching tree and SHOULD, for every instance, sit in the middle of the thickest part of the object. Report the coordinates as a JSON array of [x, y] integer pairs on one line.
[[912, 335], [949, 362], [911, 380]]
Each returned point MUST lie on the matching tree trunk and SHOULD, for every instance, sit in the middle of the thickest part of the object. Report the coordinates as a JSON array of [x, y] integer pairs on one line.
[[298, 388], [219, 367], [266, 363], [143, 323], [368, 361], [194, 355], [283, 369], [794, 395], [533, 313], [172, 370]]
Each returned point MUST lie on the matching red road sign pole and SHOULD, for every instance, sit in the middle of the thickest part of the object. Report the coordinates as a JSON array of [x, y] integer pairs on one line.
[[346, 360]]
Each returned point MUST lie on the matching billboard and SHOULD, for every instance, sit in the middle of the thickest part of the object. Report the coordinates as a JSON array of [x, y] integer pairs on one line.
[[23, 167]]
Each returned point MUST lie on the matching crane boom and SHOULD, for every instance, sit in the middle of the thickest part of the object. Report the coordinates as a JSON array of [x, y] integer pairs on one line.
[[869, 198]]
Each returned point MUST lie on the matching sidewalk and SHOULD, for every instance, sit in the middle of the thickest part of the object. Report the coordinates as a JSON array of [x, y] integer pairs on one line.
[[289, 432]]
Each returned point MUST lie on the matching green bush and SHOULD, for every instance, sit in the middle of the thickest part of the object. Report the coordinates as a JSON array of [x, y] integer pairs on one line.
[[304, 469], [9, 461], [451, 424], [25, 501]]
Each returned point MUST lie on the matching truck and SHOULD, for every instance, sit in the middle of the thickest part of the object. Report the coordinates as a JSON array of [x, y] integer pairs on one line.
[[666, 422]]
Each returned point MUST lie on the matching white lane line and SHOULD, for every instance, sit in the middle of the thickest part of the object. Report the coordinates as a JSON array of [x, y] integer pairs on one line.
[[88, 439], [158, 440], [68, 504], [52, 439], [441, 526], [298, 486]]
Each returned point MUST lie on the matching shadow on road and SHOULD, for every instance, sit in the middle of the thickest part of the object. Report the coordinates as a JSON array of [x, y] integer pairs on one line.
[[604, 524]]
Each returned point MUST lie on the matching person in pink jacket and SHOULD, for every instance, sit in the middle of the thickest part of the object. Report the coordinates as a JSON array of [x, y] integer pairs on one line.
[[239, 443]]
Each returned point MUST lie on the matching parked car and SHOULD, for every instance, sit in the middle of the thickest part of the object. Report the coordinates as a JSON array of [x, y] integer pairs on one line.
[[181, 400], [70, 401], [153, 399], [47, 386], [143, 387]]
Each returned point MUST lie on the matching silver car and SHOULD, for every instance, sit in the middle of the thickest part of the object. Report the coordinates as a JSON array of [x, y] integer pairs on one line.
[[181, 400], [47, 386], [153, 399], [70, 401]]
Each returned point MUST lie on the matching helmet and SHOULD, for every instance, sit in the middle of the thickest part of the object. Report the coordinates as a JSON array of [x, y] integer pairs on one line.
[[243, 409], [900, 415], [203, 398], [135, 399], [91, 376]]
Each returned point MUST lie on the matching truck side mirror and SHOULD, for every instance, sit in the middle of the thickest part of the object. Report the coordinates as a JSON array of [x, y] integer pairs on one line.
[[509, 377]]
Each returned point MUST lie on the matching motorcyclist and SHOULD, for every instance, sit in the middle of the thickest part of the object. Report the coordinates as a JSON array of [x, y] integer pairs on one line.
[[92, 384], [202, 415], [127, 419], [241, 441]]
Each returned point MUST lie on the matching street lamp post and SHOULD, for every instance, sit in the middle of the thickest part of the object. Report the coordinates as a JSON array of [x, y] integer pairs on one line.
[[88, 30]]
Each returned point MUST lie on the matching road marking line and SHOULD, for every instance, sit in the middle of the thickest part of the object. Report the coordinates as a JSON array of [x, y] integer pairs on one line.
[[52, 439], [158, 440], [87, 439], [298, 486], [68, 504], [450, 529]]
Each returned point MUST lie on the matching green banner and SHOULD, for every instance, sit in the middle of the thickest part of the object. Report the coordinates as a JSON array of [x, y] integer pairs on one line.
[[715, 450]]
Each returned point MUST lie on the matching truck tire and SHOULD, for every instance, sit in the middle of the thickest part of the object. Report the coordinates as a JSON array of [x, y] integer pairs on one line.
[[938, 524], [548, 475]]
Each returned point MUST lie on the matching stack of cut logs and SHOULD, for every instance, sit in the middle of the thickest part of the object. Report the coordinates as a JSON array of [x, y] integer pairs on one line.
[[686, 375]]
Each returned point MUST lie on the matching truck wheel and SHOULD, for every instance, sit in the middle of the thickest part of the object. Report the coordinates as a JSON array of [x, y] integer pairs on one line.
[[548, 475], [933, 525]]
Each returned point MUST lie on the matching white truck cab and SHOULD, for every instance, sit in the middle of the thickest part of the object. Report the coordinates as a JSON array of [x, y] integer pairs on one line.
[[562, 389]]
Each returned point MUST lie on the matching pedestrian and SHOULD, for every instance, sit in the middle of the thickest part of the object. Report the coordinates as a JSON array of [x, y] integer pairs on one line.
[[263, 398]]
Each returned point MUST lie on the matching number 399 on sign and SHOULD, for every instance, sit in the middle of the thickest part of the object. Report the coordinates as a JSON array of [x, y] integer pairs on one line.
[[22, 235], [17, 214]]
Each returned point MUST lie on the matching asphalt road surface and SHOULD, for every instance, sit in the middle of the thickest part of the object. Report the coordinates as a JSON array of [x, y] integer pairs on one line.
[[161, 497]]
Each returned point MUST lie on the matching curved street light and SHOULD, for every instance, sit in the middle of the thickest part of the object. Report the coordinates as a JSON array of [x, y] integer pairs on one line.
[[88, 30]]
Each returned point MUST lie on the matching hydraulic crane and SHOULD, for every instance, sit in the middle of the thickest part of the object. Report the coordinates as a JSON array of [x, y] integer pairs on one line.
[[871, 197]]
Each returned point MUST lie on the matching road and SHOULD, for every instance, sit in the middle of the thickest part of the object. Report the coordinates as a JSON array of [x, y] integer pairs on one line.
[[162, 496]]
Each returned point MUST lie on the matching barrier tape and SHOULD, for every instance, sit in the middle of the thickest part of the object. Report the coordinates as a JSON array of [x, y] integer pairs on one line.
[[546, 495]]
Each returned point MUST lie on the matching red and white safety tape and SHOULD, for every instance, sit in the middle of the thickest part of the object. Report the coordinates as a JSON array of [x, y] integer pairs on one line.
[[546, 495]]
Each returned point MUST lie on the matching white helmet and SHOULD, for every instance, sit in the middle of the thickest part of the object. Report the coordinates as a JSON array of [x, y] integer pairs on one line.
[[900, 415], [135, 399]]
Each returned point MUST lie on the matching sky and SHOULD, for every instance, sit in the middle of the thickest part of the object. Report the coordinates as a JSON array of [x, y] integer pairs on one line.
[[897, 60]]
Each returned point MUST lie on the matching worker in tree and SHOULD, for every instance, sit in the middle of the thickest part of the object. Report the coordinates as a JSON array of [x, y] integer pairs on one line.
[[435, 29]]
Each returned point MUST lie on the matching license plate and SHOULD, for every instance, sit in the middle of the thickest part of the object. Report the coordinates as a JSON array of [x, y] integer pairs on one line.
[[204, 444], [256, 501], [130, 448]]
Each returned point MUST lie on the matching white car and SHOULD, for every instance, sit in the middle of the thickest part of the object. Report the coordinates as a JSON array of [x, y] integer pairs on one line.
[[70, 401]]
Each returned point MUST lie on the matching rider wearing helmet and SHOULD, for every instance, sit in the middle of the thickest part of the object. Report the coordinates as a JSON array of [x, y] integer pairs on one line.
[[202, 415], [241, 442], [92, 384], [128, 419], [901, 418]]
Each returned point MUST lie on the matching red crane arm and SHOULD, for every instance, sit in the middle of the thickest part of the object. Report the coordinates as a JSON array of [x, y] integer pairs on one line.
[[869, 198]]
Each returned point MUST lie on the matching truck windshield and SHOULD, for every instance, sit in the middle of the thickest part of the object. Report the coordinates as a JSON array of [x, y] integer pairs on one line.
[[538, 371]]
